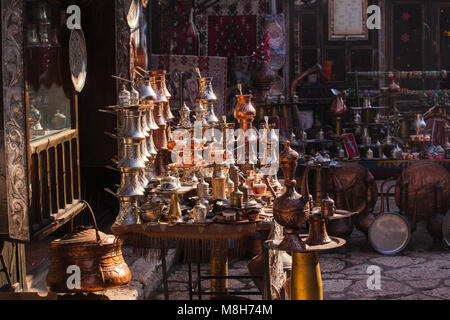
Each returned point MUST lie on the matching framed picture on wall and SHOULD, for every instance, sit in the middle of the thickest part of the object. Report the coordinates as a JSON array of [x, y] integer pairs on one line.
[[347, 20]]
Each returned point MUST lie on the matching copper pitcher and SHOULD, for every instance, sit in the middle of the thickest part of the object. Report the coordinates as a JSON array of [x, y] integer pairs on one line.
[[98, 255]]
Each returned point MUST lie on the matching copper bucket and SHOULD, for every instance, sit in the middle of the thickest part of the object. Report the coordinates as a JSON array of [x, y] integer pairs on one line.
[[97, 255]]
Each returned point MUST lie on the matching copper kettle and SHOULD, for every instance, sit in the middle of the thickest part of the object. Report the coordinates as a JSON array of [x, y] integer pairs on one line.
[[98, 256]]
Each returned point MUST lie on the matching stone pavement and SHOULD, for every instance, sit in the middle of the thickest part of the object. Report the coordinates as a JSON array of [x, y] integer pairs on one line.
[[420, 272], [415, 274]]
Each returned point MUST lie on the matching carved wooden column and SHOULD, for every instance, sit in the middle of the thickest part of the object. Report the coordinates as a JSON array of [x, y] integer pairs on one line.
[[14, 222], [123, 35], [13, 124]]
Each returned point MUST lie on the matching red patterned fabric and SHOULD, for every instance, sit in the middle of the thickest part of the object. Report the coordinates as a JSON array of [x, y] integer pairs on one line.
[[174, 37], [231, 35]]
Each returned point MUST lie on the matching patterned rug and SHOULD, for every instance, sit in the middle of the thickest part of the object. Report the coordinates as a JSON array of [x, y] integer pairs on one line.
[[232, 36], [173, 34]]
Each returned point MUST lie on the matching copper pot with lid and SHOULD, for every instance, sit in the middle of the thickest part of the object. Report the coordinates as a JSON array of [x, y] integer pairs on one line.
[[98, 256]]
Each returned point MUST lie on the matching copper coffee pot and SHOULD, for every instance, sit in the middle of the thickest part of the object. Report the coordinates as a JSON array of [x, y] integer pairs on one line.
[[317, 231], [160, 135], [167, 112], [291, 209]]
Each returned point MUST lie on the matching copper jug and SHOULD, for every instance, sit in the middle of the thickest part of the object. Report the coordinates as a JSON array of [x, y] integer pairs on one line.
[[98, 255]]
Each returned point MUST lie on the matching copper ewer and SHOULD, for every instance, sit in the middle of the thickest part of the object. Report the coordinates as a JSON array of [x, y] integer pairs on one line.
[[291, 209], [98, 256]]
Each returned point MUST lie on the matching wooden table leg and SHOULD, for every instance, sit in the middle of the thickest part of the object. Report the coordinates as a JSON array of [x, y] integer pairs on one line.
[[267, 295], [219, 265]]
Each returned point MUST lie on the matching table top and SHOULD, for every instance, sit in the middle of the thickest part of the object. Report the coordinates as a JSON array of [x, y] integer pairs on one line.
[[335, 243], [209, 231]]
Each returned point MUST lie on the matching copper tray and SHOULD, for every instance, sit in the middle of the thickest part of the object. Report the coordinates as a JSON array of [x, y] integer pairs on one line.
[[335, 243], [389, 233], [78, 59]]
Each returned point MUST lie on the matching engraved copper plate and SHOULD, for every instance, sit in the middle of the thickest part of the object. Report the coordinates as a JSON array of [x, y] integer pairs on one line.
[[133, 14], [78, 59], [389, 233]]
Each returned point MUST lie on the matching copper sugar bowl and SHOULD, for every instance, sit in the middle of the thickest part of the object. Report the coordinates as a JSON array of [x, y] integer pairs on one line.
[[244, 112], [291, 209], [98, 256]]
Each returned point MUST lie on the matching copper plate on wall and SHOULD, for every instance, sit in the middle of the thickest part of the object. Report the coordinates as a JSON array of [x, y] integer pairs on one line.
[[78, 59], [133, 14], [389, 233]]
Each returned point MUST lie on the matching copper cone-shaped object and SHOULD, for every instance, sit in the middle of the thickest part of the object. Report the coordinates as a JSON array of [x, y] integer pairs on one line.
[[244, 112]]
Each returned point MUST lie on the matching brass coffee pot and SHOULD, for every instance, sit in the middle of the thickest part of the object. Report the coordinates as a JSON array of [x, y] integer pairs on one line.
[[317, 231], [205, 90], [237, 196], [185, 114], [147, 94]]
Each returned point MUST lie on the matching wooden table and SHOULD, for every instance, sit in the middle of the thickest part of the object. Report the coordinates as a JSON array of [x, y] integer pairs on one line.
[[155, 236]]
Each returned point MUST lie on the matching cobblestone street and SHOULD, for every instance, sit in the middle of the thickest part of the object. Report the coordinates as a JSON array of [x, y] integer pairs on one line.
[[420, 272], [417, 273]]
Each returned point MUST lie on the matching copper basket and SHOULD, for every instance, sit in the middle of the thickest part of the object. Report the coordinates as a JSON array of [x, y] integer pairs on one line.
[[98, 257]]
